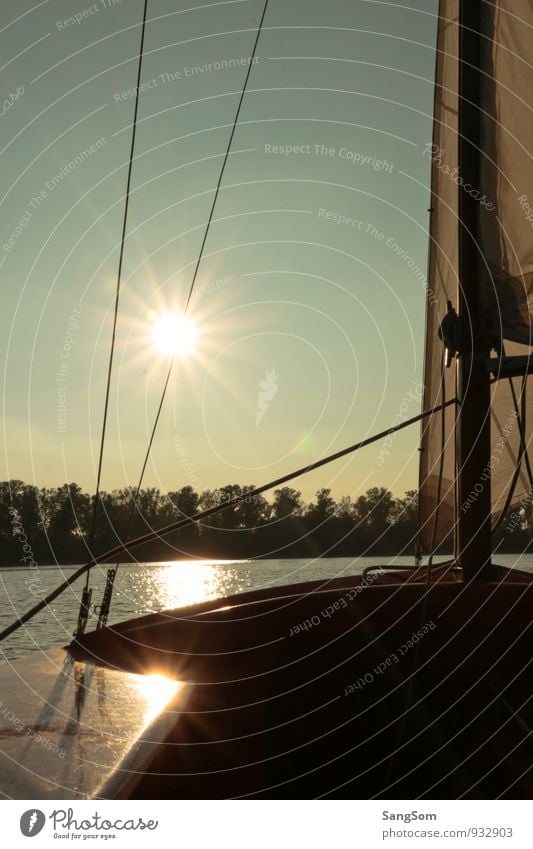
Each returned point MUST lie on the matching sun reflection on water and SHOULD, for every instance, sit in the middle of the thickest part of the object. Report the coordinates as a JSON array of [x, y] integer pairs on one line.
[[183, 583]]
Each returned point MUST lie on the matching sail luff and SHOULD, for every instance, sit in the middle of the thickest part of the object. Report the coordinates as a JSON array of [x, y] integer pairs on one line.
[[437, 455]]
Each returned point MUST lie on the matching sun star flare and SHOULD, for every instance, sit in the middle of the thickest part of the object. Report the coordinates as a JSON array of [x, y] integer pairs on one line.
[[174, 334]]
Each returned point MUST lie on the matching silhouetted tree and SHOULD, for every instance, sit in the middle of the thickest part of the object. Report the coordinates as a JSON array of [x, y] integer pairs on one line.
[[287, 502], [67, 513], [323, 509], [184, 501], [253, 511], [181, 504]]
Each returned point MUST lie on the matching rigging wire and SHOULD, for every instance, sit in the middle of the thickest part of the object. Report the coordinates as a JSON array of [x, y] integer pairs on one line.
[[520, 418], [218, 508], [408, 704], [230, 141], [432, 547], [82, 618], [104, 607], [521, 454]]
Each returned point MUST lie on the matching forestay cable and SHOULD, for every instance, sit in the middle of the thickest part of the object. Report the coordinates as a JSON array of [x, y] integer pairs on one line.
[[218, 508], [86, 598]]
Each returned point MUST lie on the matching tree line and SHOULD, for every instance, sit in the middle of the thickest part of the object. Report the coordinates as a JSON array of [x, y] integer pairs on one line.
[[61, 525]]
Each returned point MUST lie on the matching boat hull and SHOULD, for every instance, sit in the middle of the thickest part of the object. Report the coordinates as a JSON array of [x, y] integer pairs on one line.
[[355, 688]]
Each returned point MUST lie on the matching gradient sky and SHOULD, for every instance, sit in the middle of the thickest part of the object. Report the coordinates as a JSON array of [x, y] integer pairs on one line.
[[335, 310]]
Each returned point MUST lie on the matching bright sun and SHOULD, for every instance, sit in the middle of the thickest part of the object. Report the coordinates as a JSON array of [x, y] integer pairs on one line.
[[174, 334]]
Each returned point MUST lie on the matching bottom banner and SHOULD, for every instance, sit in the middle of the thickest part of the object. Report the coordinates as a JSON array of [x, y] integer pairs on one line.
[[236, 824]]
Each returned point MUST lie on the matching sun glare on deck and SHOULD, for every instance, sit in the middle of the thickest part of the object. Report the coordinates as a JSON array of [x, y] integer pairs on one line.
[[174, 334], [157, 690]]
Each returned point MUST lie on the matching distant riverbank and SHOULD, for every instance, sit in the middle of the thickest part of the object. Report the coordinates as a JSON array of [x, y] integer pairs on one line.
[[65, 525]]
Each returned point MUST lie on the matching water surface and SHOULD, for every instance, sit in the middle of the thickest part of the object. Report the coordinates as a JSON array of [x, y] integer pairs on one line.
[[149, 587]]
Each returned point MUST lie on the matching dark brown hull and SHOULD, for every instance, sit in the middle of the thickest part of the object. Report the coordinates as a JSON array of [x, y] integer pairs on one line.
[[322, 690]]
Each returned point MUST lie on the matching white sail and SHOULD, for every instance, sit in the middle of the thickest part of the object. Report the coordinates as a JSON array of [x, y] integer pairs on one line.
[[505, 261]]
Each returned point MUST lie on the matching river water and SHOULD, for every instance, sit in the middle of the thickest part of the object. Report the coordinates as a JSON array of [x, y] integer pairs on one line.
[[148, 587]]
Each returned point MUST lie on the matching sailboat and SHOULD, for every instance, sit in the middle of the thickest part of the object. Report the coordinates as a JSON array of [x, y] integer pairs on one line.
[[401, 683]]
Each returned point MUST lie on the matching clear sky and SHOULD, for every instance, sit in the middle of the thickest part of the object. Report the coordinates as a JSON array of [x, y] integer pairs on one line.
[[311, 292]]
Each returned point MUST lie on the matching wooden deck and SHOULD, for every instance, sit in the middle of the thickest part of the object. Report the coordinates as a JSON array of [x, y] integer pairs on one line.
[[74, 730]]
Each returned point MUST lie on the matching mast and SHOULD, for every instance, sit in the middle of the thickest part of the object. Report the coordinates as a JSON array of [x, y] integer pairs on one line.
[[473, 447]]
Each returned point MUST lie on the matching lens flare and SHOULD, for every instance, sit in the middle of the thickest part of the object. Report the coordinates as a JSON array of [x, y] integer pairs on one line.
[[174, 335]]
